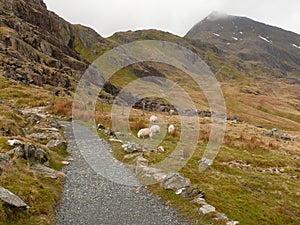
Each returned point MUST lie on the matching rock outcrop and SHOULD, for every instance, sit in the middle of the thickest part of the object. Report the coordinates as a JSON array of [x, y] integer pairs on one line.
[[11, 199]]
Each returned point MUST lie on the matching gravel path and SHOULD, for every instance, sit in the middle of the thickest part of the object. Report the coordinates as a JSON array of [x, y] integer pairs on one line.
[[88, 198]]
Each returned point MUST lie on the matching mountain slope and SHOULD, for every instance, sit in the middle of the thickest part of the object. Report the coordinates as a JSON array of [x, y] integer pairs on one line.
[[39, 47], [251, 41]]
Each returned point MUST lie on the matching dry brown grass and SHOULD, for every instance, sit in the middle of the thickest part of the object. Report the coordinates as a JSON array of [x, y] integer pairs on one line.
[[139, 124]]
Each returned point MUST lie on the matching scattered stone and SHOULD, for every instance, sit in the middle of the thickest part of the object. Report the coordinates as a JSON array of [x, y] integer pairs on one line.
[[160, 149], [159, 176], [11, 199], [175, 181], [141, 161], [100, 127], [199, 201], [61, 144], [277, 133], [115, 140], [14, 142], [190, 192], [132, 156], [240, 164], [31, 153], [206, 209], [109, 132], [221, 216], [66, 163], [39, 136], [233, 223], [45, 171], [132, 147]]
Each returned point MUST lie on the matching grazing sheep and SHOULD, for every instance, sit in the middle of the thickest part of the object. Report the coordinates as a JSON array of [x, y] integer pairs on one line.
[[144, 132], [172, 130], [153, 119], [155, 129]]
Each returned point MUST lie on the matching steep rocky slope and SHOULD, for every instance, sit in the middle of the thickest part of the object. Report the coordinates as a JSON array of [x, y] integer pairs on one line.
[[39, 47]]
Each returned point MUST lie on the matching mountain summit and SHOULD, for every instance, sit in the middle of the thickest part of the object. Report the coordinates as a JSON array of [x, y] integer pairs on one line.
[[250, 40]]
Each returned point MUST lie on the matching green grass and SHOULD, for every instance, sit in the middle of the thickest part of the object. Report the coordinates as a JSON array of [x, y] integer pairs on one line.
[[251, 197]]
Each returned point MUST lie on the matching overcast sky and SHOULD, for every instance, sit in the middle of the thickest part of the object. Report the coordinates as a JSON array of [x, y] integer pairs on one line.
[[175, 16]]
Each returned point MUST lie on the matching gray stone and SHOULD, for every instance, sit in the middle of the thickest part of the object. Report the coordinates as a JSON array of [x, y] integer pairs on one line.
[[233, 223], [175, 181], [31, 152], [132, 147], [206, 209], [45, 171], [131, 156], [198, 201], [141, 161], [14, 142], [39, 136], [190, 192], [221, 216], [61, 144], [11, 199]]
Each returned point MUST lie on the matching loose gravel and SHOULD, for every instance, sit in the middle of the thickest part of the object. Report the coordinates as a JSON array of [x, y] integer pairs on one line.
[[89, 198]]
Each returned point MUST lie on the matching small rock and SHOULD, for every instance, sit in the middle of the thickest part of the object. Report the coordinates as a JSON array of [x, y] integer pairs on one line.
[[39, 136], [11, 199], [131, 147], [45, 171], [160, 149], [115, 140], [206, 209], [61, 144], [131, 156], [175, 181], [221, 216], [233, 223], [66, 163], [14, 142], [198, 201], [141, 161], [190, 192]]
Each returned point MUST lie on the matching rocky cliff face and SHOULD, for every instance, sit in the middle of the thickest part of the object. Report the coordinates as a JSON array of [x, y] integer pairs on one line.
[[38, 47]]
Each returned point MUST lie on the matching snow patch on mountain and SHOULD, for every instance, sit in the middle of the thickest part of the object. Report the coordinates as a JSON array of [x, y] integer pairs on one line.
[[265, 39], [296, 46]]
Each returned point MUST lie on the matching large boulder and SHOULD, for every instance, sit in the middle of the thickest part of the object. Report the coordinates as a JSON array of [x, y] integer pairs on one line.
[[31, 152], [11, 199], [175, 181]]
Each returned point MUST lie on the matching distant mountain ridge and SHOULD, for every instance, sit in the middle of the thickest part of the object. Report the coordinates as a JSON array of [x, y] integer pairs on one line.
[[250, 41]]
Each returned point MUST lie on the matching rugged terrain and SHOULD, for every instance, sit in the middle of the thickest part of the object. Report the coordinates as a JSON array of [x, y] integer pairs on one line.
[[42, 57]]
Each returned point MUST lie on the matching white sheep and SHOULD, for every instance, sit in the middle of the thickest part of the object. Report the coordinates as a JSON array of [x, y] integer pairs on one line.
[[153, 119], [155, 129], [171, 129], [144, 133]]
